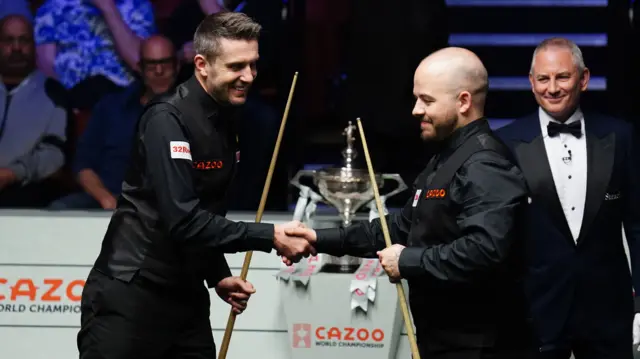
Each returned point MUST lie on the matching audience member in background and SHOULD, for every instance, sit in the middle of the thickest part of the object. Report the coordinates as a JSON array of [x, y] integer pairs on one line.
[[181, 26], [15, 7], [582, 172], [103, 150], [162, 10], [92, 46], [33, 120]]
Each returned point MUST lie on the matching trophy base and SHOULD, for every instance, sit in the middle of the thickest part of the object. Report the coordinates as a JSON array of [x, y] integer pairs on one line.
[[344, 264], [340, 268]]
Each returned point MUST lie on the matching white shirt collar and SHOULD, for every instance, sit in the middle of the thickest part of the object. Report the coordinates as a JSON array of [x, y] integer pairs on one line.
[[545, 118]]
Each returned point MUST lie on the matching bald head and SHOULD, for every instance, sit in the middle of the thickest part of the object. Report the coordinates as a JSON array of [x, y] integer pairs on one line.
[[156, 46], [158, 64], [457, 70], [13, 23], [450, 86]]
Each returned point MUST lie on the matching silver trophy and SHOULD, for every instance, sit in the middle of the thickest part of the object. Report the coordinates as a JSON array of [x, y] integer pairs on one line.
[[347, 189]]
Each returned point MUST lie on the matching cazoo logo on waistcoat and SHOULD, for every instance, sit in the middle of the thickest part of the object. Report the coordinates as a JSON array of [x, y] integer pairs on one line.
[[435, 193], [208, 165]]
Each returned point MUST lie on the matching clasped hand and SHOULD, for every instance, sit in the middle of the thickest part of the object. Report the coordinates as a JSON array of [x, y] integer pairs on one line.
[[236, 292], [294, 241]]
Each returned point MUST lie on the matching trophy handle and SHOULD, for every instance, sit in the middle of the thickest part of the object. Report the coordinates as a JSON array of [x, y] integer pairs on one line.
[[302, 173], [394, 177]]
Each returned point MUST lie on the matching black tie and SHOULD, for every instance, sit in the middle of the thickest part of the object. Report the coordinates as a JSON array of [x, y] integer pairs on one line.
[[574, 128]]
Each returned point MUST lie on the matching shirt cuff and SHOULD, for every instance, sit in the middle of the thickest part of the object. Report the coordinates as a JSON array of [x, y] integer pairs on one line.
[[410, 262], [329, 241], [219, 272], [261, 236]]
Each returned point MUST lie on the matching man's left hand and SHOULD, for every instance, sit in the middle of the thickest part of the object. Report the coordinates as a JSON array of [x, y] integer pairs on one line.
[[236, 292], [389, 258]]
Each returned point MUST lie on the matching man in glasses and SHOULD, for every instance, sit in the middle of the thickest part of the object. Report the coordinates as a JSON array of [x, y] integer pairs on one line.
[[103, 150]]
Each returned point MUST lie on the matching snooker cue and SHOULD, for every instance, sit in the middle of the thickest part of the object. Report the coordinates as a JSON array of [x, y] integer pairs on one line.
[[385, 231], [263, 200]]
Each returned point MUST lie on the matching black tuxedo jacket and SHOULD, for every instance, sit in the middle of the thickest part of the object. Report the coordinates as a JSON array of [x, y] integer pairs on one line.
[[582, 288]]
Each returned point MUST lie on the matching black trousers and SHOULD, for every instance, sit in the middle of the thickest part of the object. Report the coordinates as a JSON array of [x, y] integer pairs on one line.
[[141, 319], [590, 335], [591, 348], [476, 353], [480, 352], [512, 341]]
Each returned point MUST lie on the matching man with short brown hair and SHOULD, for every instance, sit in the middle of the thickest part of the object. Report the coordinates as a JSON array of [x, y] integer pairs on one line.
[[219, 69], [145, 296]]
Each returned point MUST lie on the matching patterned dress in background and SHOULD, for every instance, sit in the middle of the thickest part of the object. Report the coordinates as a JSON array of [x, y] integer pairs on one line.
[[85, 46]]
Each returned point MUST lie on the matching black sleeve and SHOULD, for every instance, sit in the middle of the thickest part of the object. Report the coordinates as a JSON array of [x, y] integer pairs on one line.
[[57, 93], [364, 239], [631, 205], [218, 270], [170, 176], [491, 193]]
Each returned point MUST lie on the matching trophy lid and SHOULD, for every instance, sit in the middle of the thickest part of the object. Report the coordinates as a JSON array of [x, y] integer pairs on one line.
[[348, 174]]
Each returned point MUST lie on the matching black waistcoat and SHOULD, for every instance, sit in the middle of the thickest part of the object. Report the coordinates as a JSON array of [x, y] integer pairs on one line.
[[446, 304], [137, 239]]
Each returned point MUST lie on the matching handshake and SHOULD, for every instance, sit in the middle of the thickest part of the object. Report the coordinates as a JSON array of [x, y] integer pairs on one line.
[[294, 241]]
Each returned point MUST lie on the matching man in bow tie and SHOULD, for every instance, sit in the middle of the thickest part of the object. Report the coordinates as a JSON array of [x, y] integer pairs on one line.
[[582, 173]]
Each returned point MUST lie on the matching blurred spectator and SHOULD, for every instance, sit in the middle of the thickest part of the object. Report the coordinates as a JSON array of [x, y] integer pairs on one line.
[[15, 7], [33, 120], [182, 25], [92, 46], [103, 150], [163, 9]]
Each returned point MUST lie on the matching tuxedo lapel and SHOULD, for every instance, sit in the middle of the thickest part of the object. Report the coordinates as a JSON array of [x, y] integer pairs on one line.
[[534, 164], [600, 156]]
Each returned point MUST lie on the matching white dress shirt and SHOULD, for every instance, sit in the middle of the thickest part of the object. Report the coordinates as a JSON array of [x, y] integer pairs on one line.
[[568, 162]]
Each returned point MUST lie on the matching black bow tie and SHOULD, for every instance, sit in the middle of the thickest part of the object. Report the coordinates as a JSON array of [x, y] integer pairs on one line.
[[574, 128]]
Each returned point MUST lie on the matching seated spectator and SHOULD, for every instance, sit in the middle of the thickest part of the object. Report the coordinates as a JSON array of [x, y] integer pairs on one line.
[[15, 7], [92, 46], [32, 120], [103, 150]]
